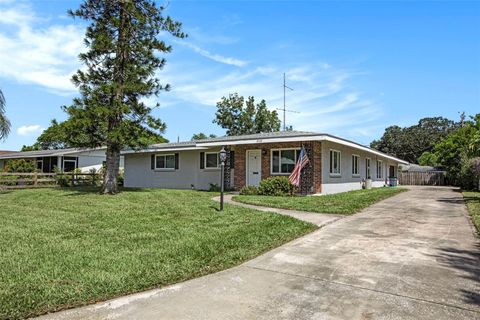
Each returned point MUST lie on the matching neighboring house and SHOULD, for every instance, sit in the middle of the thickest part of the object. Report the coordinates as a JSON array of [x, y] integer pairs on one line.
[[4, 152], [336, 164], [65, 159]]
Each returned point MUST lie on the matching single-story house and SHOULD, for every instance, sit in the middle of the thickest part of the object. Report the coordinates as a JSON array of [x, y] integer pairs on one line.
[[336, 164], [65, 159]]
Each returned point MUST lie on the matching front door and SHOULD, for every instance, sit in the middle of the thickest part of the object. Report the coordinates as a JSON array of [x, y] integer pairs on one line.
[[254, 167], [391, 172]]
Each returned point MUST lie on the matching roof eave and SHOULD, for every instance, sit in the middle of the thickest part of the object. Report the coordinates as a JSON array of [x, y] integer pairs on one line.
[[156, 150]]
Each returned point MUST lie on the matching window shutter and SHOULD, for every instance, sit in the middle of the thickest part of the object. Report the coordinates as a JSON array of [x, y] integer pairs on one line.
[[232, 159], [202, 160], [176, 161], [152, 162]]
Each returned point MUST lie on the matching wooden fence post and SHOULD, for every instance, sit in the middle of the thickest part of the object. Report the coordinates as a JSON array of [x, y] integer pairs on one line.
[[35, 179]]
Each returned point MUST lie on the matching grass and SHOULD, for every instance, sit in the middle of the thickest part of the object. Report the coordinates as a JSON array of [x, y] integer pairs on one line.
[[472, 199], [61, 248], [340, 203]]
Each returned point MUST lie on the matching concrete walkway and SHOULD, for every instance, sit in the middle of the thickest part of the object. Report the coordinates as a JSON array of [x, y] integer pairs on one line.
[[412, 256], [316, 218]]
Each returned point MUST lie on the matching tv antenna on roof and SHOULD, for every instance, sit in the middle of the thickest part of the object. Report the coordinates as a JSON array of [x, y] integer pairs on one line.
[[284, 105]]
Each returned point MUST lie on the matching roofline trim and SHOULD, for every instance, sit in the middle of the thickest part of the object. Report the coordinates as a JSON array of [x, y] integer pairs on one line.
[[19, 155], [157, 150], [202, 145]]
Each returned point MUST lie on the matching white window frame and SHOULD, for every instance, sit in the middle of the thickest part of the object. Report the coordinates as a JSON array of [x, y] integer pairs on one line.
[[206, 162], [68, 160], [280, 173], [165, 162], [339, 157], [355, 173], [379, 172], [368, 168]]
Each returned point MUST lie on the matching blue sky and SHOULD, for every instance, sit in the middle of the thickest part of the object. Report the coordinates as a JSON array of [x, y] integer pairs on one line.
[[356, 67]]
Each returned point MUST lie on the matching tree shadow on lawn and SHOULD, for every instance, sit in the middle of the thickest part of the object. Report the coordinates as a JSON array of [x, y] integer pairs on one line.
[[82, 190], [468, 263]]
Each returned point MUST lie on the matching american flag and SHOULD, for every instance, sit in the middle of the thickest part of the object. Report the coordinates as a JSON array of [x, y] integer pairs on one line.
[[301, 163]]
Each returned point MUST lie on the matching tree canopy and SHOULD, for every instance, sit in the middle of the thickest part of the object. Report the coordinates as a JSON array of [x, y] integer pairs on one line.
[[58, 136], [456, 152], [202, 136], [120, 67], [240, 116], [409, 143]]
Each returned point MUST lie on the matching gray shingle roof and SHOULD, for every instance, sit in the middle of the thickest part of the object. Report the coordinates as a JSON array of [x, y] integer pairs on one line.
[[173, 145], [267, 135]]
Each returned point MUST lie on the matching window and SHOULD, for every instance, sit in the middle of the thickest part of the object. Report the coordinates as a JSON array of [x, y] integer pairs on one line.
[[165, 162], [283, 160], [40, 165], [367, 168], [335, 160], [212, 160], [379, 169], [69, 165], [355, 161]]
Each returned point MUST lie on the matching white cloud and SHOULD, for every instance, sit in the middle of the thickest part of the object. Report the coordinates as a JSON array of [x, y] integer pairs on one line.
[[29, 130], [214, 56], [33, 53], [325, 96]]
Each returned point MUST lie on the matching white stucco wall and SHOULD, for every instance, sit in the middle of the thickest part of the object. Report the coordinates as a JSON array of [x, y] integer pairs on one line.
[[93, 159], [138, 173], [346, 181]]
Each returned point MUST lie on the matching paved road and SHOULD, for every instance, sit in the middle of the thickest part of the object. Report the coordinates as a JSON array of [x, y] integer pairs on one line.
[[413, 256]]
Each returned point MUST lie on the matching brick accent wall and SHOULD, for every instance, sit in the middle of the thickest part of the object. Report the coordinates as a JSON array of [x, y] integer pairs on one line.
[[241, 153]]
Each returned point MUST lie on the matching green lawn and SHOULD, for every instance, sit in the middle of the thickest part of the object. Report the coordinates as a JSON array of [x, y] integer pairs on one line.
[[472, 200], [340, 203], [64, 248]]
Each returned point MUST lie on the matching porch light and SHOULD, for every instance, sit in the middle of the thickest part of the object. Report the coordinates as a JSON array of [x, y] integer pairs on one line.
[[223, 158]]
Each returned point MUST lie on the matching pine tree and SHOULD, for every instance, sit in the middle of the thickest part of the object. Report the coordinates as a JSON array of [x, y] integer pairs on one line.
[[120, 65]]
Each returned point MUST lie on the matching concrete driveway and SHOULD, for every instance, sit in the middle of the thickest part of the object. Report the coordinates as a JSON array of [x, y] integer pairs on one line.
[[413, 256]]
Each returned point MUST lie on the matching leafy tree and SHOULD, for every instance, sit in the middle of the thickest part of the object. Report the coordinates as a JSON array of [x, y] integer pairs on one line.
[[428, 159], [244, 117], [4, 122], [119, 70], [55, 136], [202, 136], [58, 136], [410, 143], [33, 147], [456, 150]]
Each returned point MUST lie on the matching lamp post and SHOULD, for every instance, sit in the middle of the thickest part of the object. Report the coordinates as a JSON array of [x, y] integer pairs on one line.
[[223, 158]]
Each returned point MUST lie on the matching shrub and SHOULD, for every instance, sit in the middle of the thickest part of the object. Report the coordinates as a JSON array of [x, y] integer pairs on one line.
[[249, 191], [20, 165], [121, 178], [214, 187], [469, 176], [60, 178], [276, 186]]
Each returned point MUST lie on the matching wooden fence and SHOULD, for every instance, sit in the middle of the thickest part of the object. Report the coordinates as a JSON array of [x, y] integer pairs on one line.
[[47, 180], [429, 178]]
